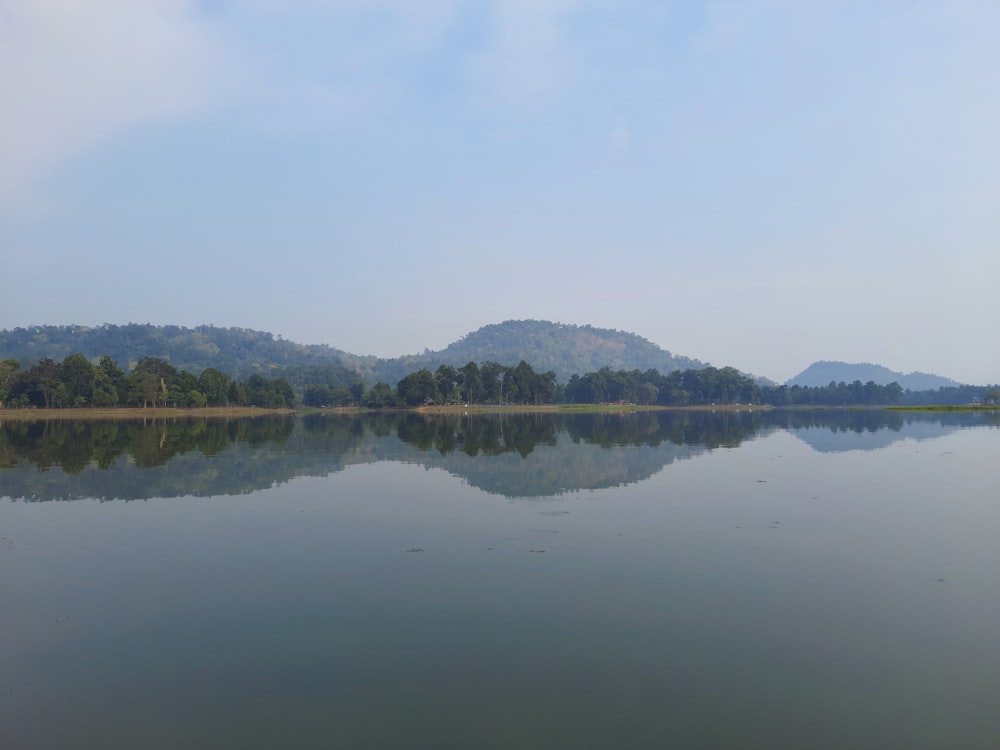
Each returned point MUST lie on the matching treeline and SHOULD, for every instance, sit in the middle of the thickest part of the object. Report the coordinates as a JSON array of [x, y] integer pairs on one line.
[[709, 385], [75, 382], [488, 383], [870, 393], [834, 394], [953, 395], [492, 383], [240, 352]]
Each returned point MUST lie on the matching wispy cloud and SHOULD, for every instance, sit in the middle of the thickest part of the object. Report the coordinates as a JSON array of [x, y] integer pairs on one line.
[[529, 57], [75, 73]]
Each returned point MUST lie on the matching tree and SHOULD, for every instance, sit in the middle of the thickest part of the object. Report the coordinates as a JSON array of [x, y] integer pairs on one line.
[[8, 368], [110, 383], [471, 382], [181, 387], [77, 375], [150, 381], [215, 386], [238, 394], [105, 394], [647, 393], [270, 394], [380, 396], [144, 388], [44, 380], [491, 373], [444, 382], [417, 388]]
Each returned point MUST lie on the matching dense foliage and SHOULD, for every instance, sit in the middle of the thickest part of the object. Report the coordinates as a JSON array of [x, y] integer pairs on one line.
[[563, 349], [490, 383], [241, 352], [78, 382], [129, 458]]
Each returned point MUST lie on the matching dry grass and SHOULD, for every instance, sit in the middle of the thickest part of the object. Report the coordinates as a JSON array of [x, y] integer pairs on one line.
[[213, 412]]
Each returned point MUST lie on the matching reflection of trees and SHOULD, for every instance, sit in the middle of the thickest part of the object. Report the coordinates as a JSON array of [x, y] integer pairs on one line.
[[701, 428], [75, 444], [517, 455], [840, 420]]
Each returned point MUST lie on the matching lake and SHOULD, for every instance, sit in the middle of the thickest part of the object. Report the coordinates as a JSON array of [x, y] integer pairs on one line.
[[660, 579]]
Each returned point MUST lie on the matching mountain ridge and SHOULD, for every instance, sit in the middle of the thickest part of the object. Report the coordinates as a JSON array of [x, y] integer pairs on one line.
[[823, 372], [566, 349]]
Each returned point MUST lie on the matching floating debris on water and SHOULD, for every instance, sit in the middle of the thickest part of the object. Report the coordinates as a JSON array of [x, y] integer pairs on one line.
[[415, 549]]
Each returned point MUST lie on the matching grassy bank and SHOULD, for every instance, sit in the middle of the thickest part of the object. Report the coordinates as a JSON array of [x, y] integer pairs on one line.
[[231, 412], [964, 407], [212, 412]]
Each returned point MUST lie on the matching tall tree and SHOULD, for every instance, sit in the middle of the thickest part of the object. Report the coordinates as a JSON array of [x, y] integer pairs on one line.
[[444, 382], [77, 375], [215, 386], [471, 382], [417, 388], [8, 368]]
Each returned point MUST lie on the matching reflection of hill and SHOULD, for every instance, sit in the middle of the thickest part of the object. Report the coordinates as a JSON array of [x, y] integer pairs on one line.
[[523, 455], [561, 467], [535, 455], [133, 460], [837, 431]]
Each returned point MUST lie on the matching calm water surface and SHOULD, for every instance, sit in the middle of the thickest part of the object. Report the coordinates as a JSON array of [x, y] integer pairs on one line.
[[653, 580]]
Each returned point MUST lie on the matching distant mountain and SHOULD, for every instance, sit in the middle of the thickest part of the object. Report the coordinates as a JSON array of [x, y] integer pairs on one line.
[[823, 373], [565, 349], [240, 352]]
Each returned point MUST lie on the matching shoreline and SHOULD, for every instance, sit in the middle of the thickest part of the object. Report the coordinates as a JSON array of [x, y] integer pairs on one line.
[[243, 412]]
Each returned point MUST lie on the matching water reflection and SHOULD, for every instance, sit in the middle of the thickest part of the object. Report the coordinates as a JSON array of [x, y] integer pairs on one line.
[[529, 455]]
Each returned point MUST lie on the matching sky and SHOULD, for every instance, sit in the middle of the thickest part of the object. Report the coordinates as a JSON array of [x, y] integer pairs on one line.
[[753, 183]]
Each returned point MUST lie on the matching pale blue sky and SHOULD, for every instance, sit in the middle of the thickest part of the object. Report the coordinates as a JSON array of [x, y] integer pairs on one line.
[[754, 183]]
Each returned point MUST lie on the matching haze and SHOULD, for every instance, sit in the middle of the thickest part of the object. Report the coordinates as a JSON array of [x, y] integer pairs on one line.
[[755, 184]]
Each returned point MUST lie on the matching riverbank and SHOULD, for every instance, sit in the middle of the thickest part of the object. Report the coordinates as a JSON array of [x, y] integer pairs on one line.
[[128, 412], [241, 412], [964, 407]]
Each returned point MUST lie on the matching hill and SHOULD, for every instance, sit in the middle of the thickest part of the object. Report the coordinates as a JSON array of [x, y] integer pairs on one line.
[[240, 352], [824, 372], [563, 348]]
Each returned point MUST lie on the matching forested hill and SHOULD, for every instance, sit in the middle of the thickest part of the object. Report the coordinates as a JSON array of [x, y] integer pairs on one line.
[[823, 373], [560, 347], [240, 352]]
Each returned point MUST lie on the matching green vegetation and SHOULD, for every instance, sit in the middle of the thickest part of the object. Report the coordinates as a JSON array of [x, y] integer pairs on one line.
[[153, 382], [563, 349], [568, 450], [273, 373], [77, 382], [558, 347], [240, 352]]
